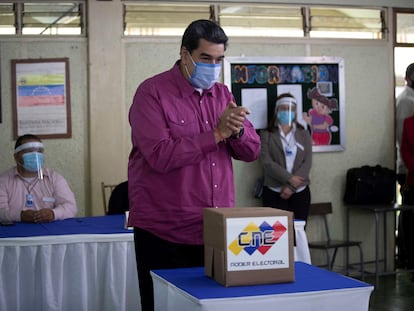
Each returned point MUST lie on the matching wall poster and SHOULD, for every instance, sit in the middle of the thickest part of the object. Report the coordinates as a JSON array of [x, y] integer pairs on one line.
[[41, 97], [317, 83]]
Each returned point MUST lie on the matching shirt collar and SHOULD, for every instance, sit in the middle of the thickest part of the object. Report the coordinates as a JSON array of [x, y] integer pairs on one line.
[[45, 172], [292, 131]]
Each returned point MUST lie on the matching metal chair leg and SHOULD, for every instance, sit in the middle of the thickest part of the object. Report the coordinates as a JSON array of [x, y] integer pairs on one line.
[[333, 257], [328, 260], [361, 256]]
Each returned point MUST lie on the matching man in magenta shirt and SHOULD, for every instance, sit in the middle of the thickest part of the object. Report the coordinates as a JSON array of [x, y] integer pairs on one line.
[[186, 129], [31, 193]]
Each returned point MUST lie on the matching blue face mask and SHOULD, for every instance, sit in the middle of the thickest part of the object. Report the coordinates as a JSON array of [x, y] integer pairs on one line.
[[205, 75], [33, 161], [286, 117]]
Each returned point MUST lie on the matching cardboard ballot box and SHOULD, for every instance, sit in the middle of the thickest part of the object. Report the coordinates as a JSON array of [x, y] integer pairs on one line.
[[248, 245]]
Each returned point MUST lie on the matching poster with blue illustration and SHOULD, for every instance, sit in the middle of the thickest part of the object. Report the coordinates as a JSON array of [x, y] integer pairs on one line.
[[317, 83], [41, 97]]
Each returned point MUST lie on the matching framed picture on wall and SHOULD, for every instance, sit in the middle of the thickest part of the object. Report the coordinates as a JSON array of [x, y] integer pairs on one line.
[[41, 97], [317, 83]]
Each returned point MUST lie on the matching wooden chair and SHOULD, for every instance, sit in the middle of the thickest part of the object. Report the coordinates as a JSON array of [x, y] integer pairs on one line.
[[328, 245], [106, 193]]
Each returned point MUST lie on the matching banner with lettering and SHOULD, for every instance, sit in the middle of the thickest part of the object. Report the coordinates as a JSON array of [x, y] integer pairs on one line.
[[317, 83]]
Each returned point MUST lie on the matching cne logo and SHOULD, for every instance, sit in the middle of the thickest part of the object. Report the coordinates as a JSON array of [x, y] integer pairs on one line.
[[257, 238]]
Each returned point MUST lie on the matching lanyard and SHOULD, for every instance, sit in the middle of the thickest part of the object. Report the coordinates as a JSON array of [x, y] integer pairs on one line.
[[288, 144], [29, 187]]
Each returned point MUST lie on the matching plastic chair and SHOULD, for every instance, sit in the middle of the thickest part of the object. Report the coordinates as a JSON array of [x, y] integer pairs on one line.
[[331, 246]]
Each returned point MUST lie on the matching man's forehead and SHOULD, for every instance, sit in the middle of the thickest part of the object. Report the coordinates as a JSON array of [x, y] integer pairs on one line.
[[208, 47]]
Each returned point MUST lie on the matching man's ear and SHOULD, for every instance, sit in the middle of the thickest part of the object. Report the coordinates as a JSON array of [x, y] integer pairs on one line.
[[17, 159], [183, 54]]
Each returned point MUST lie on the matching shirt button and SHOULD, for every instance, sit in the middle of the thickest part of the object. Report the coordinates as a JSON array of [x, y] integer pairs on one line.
[[182, 121], [215, 186], [206, 122], [213, 164]]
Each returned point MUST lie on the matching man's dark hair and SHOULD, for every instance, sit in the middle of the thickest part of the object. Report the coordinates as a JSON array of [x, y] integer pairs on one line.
[[203, 29], [409, 73], [21, 139]]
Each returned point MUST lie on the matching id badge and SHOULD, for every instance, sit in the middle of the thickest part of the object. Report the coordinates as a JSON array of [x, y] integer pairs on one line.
[[29, 200], [289, 152]]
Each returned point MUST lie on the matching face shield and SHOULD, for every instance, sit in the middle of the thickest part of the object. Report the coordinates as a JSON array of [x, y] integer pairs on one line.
[[286, 110], [32, 157]]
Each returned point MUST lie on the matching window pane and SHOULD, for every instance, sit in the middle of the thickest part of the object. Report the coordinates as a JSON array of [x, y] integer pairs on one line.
[[255, 20], [405, 28], [403, 56], [161, 19], [261, 20], [346, 23], [7, 20], [57, 19]]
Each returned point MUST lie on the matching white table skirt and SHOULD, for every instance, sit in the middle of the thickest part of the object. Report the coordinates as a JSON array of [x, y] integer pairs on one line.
[[95, 272], [301, 251]]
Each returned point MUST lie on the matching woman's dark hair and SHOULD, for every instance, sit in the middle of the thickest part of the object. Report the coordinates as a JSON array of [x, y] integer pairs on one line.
[[271, 125], [203, 29], [21, 139]]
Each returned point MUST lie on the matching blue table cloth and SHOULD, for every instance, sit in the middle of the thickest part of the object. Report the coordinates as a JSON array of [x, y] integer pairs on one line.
[[80, 225]]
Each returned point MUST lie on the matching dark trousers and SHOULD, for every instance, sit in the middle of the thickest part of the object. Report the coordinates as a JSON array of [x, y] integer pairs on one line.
[[153, 253], [298, 203]]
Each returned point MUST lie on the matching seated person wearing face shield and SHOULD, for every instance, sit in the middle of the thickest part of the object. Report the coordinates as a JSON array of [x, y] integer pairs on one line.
[[31, 193], [286, 157]]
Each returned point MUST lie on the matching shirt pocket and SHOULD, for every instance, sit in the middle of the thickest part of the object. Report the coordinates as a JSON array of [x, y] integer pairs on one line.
[[183, 124], [48, 202]]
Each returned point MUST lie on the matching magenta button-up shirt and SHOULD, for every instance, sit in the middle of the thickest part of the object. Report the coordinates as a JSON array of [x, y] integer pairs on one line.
[[175, 167]]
